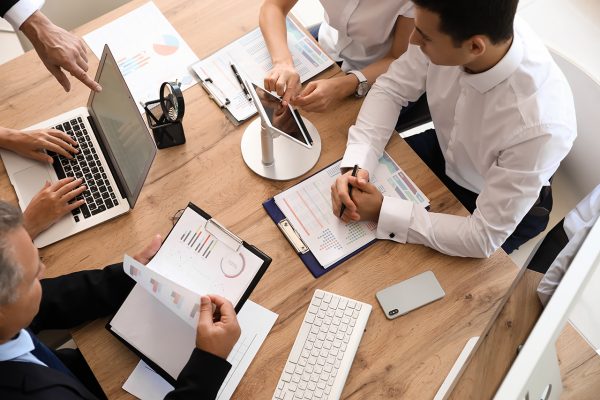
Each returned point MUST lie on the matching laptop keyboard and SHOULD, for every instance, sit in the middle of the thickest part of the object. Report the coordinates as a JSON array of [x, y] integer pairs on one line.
[[86, 165]]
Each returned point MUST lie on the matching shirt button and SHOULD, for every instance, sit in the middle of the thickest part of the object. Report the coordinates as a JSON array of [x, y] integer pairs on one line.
[[392, 235]]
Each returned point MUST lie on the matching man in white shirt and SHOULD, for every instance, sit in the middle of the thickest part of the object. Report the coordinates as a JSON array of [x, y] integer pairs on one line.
[[576, 226], [504, 119]]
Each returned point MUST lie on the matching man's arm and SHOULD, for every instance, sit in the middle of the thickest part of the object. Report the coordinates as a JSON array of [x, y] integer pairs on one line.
[[207, 367], [73, 299], [402, 83], [512, 186]]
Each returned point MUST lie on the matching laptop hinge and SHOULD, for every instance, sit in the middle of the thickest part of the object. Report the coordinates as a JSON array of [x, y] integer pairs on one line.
[[107, 158]]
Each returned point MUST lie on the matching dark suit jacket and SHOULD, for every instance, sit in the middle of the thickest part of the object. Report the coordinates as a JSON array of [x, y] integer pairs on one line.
[[6, 5], [73, 299]]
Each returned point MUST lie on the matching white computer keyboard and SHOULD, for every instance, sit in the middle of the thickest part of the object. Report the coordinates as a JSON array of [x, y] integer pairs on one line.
[[326, 344]]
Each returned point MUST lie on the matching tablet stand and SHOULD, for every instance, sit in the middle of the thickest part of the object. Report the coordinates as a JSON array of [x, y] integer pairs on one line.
[[280, 159]]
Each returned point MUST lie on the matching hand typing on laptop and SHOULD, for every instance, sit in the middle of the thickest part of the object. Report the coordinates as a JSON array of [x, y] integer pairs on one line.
[[32, 144], [51, 203], [54, 200], [59, 50]]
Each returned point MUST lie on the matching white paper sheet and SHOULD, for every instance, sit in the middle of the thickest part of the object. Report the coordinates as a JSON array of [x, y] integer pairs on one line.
[[181, 301], [307, 206], [255, 321], [148, 49]]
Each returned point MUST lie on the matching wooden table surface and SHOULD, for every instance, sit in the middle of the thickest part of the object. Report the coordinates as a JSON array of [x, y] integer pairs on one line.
[[484, 372], [408, 357]]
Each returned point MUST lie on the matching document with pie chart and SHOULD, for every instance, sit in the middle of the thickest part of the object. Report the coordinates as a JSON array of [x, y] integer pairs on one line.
[[198, 257], [148, 49]]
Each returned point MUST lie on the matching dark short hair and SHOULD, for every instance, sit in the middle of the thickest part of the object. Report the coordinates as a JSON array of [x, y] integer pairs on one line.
[[10, 272], [463, 19]]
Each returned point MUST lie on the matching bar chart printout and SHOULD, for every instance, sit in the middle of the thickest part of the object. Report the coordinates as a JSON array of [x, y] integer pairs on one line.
[[308, 208], [194, 258]]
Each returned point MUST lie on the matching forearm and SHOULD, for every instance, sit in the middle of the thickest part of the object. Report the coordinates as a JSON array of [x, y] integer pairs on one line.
[[9, 138], [272, 25], [4, 138]]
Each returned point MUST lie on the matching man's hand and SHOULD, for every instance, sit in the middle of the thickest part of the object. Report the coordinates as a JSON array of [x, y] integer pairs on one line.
[[366, 200], [32, 144], [217, 337], [144, 256], [284, 80], [58, 49], [51, 204], [317, 95]]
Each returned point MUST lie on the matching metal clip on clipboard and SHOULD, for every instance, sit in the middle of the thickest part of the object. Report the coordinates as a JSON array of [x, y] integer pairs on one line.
[[214, 92], [223, 235], [292, 236]]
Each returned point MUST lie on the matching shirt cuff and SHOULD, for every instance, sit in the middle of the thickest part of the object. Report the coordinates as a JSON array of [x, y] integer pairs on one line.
[[361, 155], [394, 219], [21, 11]]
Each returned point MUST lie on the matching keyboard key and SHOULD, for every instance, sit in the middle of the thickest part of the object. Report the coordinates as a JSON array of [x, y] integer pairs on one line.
[[85, 211]]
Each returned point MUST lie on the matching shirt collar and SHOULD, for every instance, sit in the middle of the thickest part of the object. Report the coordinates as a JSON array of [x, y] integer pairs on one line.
[[20, 345], [489, 79]]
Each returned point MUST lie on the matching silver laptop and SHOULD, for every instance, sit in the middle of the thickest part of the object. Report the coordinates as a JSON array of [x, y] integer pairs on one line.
[[116, 151]]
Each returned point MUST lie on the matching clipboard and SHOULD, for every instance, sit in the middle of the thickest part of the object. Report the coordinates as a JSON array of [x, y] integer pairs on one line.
[[298, 244], [230, 240], [309, 207]]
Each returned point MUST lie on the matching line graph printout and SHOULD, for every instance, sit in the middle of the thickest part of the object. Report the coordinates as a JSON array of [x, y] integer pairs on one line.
[[307, 206]]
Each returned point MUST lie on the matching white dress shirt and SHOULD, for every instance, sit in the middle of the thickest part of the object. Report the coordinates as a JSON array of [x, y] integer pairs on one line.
[[19, 13], [577, 225], [360, 32], [503, 133]]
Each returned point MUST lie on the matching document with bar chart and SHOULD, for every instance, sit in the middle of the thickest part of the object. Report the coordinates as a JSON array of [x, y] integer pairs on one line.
[[148, 50], [307, 206], [198, 257]]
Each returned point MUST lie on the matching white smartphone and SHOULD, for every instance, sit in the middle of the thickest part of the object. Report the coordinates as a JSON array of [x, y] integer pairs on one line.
[[285, 120], [409, 295]]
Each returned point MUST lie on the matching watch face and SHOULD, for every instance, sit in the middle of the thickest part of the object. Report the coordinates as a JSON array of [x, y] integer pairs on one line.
[[362, 89]]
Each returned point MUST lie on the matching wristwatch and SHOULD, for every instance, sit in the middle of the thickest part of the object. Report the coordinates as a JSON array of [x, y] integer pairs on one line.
[[363, 85]]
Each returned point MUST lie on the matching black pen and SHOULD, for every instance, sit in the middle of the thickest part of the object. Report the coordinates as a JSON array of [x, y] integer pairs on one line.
[[354, 171], [240, 81]]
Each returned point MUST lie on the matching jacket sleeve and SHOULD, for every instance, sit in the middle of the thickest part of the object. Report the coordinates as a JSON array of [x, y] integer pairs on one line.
[[83, 296], [201, 378]]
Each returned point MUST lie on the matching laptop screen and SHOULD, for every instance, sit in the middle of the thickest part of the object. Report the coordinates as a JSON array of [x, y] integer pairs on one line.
[[129, 145]]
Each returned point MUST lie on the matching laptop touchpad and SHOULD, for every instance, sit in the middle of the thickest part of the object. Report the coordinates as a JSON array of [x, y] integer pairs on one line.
[[30, 182]]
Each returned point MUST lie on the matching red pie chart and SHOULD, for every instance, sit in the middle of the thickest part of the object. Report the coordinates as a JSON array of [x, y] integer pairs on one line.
[[166, 45]]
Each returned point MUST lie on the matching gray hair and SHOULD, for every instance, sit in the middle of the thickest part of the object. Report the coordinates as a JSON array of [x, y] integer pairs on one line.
[[10, 272]]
